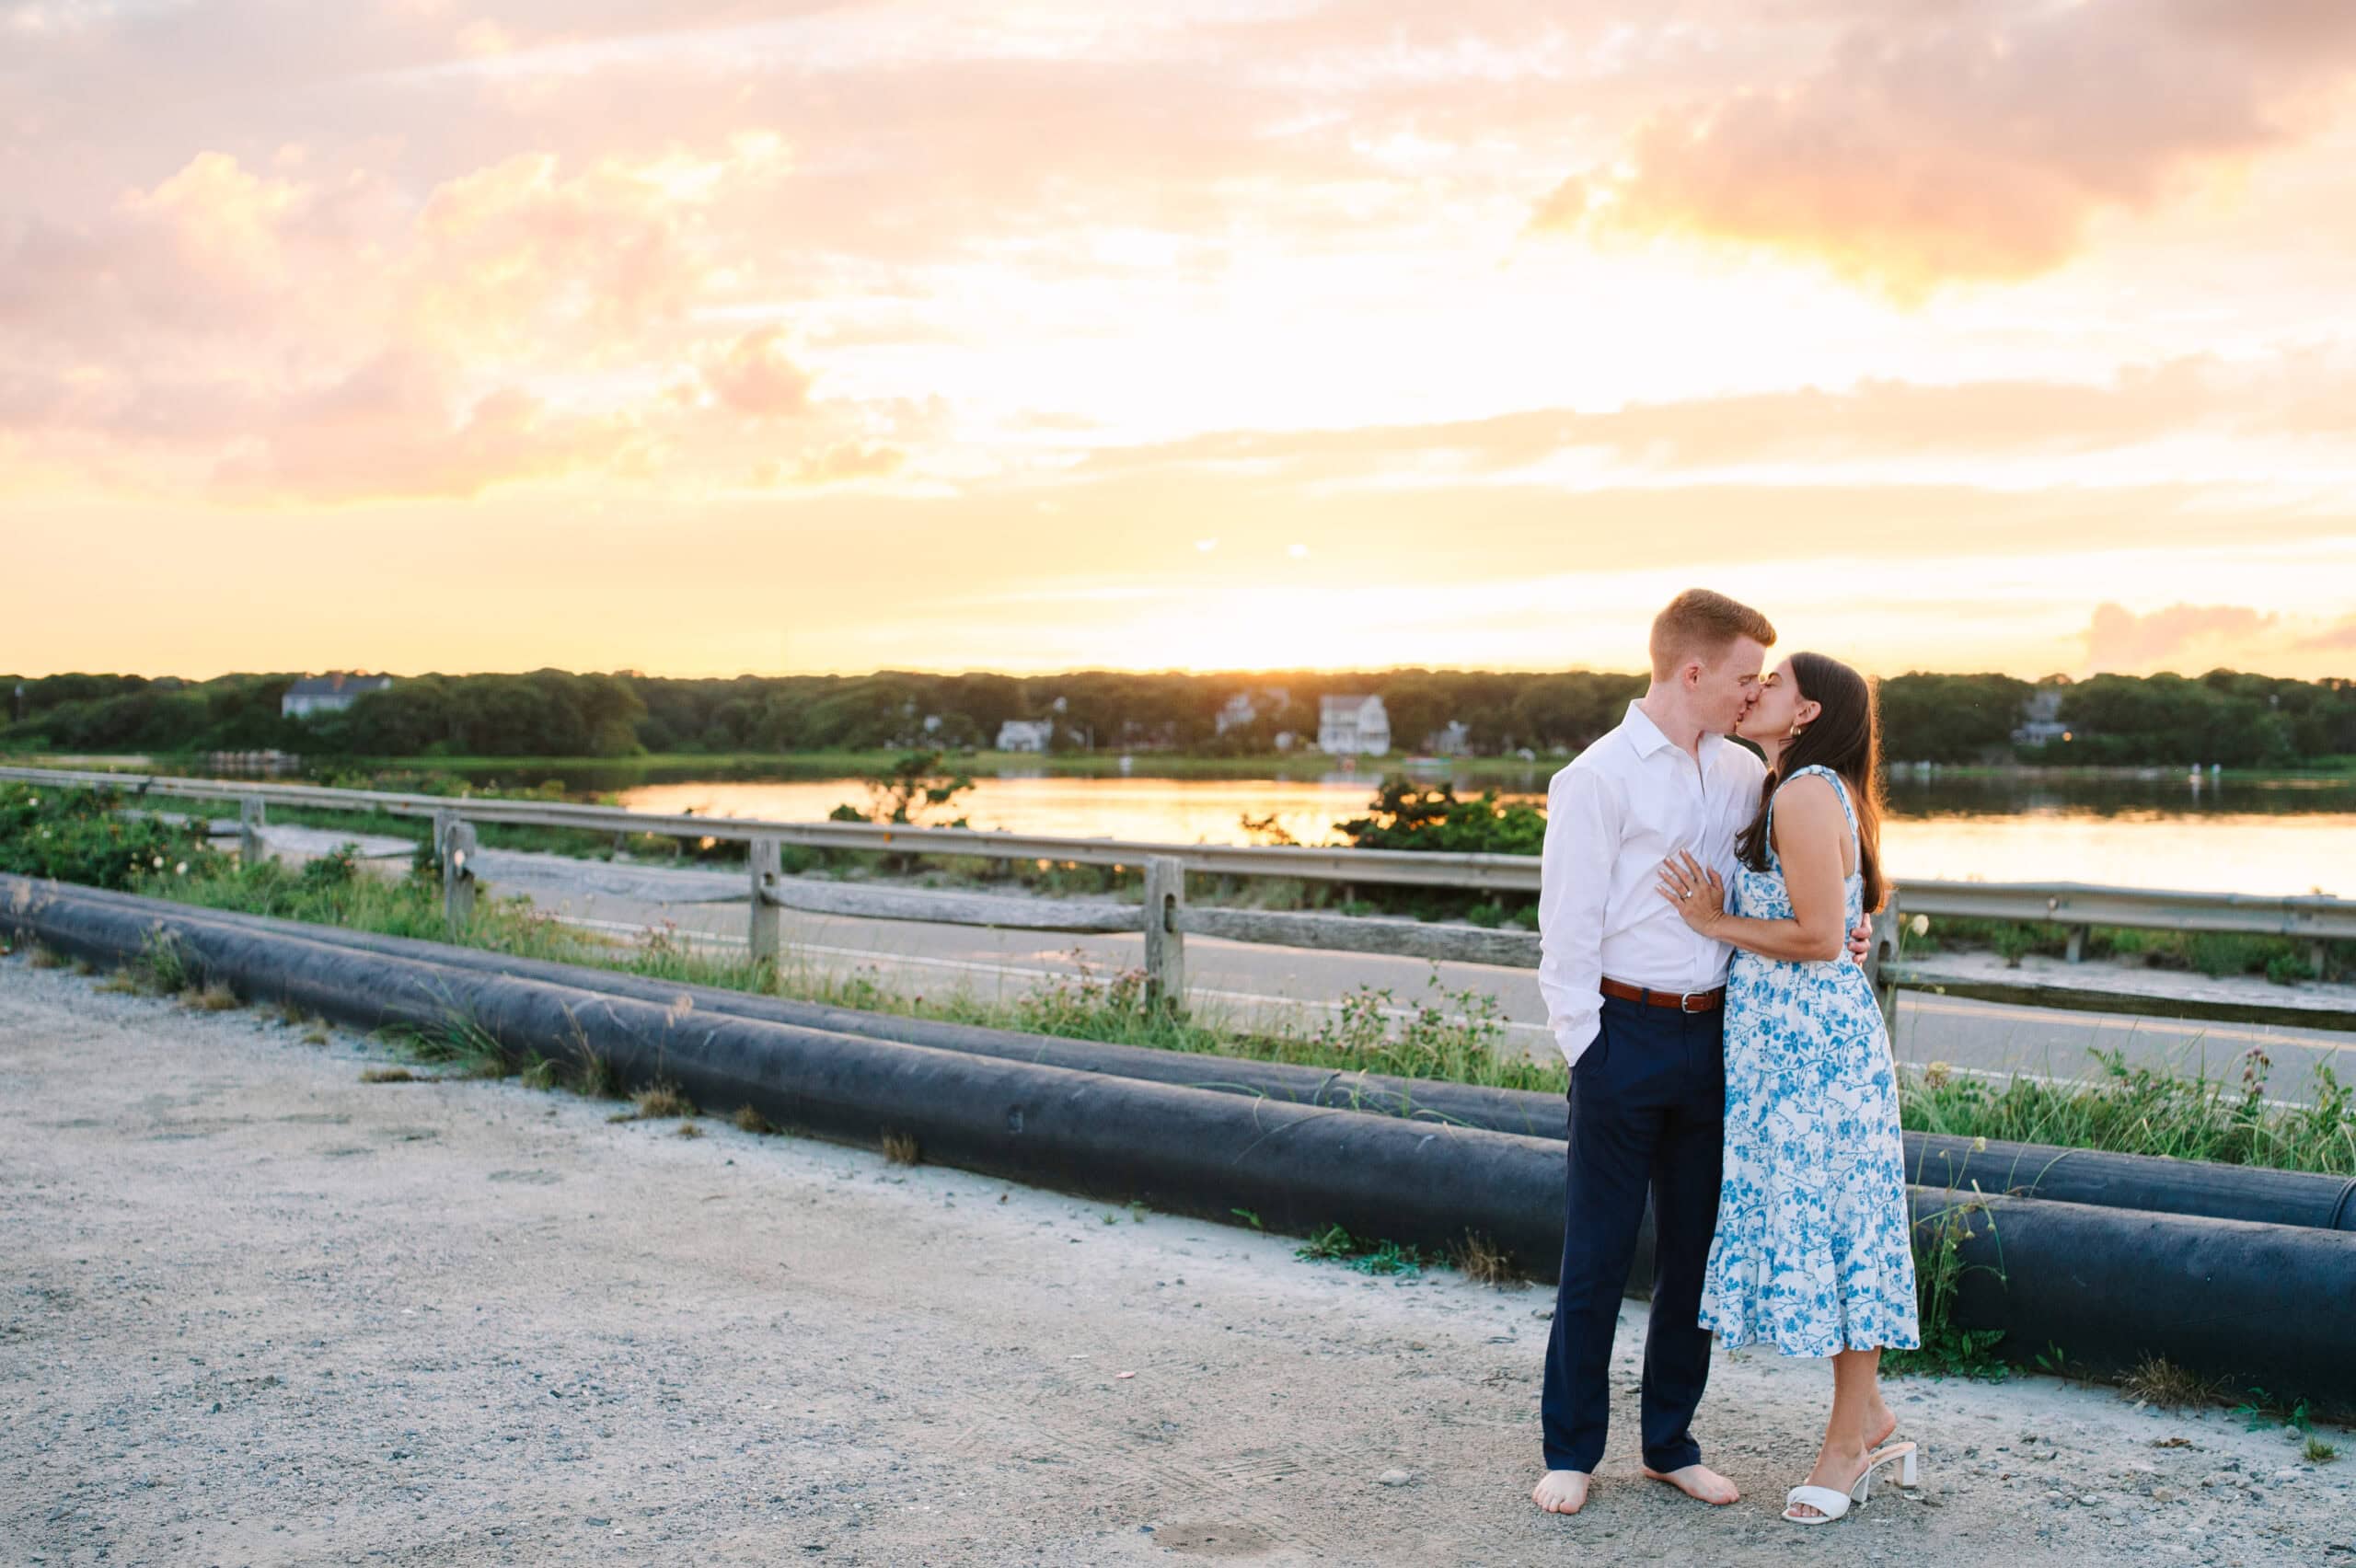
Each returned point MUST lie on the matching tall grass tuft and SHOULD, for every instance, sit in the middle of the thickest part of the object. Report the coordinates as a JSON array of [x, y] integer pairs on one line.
[[1948, 1350], [2140, 1109]]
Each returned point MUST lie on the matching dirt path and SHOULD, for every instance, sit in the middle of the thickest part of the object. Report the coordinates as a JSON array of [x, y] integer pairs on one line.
[[253, 1310]]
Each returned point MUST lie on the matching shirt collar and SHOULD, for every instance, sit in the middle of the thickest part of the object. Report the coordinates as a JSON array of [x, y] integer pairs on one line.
[[1646, 736]]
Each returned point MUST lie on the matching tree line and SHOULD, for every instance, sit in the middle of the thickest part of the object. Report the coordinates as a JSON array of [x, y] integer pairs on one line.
[[2236, 719]]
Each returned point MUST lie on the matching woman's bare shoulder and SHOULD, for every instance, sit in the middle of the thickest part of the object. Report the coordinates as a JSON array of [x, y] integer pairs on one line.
[[1808, 792]]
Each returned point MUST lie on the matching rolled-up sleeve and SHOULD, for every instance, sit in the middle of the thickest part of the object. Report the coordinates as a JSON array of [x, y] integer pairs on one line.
[[1574, 887]]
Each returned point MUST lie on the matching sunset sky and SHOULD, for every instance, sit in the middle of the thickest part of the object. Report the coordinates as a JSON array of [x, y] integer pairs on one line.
[[720, 336]]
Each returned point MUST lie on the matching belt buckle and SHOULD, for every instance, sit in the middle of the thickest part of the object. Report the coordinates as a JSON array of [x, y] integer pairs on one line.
[[1687, 1003]]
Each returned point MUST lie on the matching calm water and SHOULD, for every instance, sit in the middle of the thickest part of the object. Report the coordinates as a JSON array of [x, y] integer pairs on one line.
[[2266, 837]]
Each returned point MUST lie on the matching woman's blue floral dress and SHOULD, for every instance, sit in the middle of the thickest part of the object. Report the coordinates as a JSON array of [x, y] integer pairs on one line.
[[1812, 1250]]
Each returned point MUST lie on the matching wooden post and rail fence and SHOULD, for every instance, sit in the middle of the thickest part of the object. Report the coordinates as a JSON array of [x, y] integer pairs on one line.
[[1164, 917]]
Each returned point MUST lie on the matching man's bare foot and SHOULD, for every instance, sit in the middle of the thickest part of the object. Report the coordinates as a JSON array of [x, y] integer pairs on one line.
[[1561, 1492], [1699, 1481]]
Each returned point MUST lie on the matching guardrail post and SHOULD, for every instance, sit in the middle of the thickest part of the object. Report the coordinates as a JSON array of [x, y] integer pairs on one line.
[[762, 932], [2320, 955], [1165, 946], [2076, 951], [249, 826], [454, 840], [1880, 956]]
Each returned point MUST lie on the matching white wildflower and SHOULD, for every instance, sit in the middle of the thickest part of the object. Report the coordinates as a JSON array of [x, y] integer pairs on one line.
[[1919, 924], [180, 870]]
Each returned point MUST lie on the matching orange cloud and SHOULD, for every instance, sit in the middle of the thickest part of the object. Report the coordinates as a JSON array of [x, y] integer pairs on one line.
[[1944, 142], [756, 378], [852, 460], [844, 464], [2301, 394]]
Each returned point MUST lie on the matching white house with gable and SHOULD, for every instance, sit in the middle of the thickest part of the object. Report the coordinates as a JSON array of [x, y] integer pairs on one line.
[[1025, 734], [1353, 726]]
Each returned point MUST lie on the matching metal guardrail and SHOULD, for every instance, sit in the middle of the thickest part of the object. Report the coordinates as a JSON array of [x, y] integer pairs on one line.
[[2066, 903], [2074, 905], [1386, 867]]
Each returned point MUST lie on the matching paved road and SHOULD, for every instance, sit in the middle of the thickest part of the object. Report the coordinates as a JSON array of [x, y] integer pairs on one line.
[[1249, 983]]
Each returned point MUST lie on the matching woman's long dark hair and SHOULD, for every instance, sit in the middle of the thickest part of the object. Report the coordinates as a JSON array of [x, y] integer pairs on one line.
[[1845, 737]]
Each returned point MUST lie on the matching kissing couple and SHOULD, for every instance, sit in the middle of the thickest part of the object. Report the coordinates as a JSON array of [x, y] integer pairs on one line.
[[1700, 912]]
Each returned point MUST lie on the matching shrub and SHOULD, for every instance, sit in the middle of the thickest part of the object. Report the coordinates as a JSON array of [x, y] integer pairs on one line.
[[86, 836]]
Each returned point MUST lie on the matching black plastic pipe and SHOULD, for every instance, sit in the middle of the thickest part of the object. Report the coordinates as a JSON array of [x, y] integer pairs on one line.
[[2078, 1176], [2273, 1306], [1497, 1110], [1295, 1168]]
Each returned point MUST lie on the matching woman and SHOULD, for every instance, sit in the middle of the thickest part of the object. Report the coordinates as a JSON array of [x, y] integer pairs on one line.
[[1812, 1252]]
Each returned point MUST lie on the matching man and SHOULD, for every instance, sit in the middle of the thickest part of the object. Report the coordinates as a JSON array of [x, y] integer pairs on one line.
[[1635, 999]]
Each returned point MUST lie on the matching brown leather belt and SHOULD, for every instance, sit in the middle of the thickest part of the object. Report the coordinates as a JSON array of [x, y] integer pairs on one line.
[[1683, 1001]]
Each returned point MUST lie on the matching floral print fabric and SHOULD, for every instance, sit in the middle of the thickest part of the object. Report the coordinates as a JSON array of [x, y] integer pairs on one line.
[[1812, 1253]]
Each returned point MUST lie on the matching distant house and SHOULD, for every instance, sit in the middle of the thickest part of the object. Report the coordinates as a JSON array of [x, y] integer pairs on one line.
[[1453, 740], [327, 694], [2041, 720], [1025, 734], [1137, 735], [1245, 707], [1353, 726]]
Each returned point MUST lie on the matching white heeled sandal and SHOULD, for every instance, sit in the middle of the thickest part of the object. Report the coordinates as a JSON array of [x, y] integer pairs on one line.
[[1831, 1504]]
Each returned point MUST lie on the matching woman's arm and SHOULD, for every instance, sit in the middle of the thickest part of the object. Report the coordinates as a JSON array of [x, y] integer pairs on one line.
[[1809, 830]]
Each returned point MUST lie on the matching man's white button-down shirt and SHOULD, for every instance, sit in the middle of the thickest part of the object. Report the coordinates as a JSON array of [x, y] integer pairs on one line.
[[1612, 817]]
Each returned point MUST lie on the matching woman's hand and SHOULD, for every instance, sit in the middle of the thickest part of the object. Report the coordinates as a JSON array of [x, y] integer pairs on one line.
[[1694, 891]]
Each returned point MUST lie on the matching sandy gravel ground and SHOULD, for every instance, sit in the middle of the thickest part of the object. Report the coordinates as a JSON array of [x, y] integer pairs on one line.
[[253, 1310]]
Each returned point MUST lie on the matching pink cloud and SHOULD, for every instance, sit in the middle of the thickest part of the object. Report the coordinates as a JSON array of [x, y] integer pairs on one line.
[[395, 426], [1942, 143], [2342, 635], [339, 341], [2118, 640]]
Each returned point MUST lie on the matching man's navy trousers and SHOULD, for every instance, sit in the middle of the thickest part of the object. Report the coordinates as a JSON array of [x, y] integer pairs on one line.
[[1647, 1109]]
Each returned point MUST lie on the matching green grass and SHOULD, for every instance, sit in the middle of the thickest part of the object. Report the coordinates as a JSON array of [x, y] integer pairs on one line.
[[2127, 1109], [1336, 1245]]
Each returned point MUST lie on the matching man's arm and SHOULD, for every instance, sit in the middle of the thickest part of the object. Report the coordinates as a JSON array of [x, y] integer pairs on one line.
[[1573, 882]]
